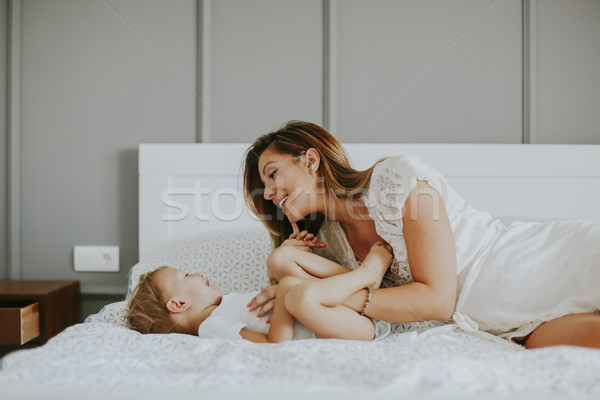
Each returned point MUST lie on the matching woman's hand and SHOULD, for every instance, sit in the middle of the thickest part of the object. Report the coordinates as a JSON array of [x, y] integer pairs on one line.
[[265, 300]]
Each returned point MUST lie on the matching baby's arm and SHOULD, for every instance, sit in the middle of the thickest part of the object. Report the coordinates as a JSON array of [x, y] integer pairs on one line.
[[253, 336], [291, 261], [281, 263]]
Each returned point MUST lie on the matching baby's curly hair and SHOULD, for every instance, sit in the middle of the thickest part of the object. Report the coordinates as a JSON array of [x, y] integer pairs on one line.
[[146, 311]]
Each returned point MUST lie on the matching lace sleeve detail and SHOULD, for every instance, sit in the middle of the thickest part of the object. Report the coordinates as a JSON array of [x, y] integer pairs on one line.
[[391, 184]]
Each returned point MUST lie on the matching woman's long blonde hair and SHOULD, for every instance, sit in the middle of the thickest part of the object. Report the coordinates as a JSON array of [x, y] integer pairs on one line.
[[294, 138]]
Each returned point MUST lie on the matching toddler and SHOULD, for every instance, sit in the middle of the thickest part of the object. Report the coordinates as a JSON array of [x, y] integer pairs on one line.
[[308, 302]]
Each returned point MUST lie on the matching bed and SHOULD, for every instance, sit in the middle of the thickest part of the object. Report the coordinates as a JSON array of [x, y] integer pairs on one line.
[[192, 216]]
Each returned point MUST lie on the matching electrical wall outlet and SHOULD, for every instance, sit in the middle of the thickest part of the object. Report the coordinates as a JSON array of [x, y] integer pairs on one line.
[[96, 258]]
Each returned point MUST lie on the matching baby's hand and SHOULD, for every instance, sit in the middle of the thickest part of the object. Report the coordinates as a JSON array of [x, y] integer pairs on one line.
[[304, 240], [302, 244], [304, 235]]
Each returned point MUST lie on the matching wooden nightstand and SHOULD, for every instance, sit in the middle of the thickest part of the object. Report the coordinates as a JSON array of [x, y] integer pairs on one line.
[[49, 306]]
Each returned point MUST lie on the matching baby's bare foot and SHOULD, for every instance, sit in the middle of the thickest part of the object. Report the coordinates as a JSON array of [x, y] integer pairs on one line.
[[378, 261]]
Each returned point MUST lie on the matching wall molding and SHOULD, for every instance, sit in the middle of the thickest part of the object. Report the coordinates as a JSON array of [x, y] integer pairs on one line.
[[15, 8], [204, 62], [529, 84], [330, 64]]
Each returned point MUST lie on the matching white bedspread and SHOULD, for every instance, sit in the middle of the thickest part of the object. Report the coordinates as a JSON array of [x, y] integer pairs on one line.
[[102, 359], [109, 359]]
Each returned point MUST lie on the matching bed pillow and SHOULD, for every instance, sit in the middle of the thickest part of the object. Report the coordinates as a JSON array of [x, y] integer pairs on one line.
[[232, 260], [113, 313]]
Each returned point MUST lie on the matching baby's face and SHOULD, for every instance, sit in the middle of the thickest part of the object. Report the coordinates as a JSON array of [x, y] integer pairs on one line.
[[192, 288]]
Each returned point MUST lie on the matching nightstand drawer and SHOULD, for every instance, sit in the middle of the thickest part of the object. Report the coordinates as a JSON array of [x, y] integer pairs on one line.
[[19, 322]]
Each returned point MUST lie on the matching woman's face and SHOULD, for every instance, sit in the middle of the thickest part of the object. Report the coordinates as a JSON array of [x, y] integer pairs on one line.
[[294, 186]]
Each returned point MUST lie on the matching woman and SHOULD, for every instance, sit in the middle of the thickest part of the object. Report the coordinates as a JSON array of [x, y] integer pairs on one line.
[[527, 282]]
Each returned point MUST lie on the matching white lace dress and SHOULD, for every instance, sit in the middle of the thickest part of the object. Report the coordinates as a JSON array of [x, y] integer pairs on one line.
[[511, 278]]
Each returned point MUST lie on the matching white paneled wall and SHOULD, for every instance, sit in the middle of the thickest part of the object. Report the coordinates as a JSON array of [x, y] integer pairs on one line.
[[266, 66], [3, 142], [406, 71], [100, 77], [430, 71], [567, 78]]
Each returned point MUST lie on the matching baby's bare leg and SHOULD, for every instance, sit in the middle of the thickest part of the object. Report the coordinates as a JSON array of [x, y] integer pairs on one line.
[[290, 261], [317, 304], [334, 290], [282, 322]]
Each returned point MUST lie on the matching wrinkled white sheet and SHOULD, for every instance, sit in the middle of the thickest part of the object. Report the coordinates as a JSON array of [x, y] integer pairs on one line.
[[102, 359], [439, 361]]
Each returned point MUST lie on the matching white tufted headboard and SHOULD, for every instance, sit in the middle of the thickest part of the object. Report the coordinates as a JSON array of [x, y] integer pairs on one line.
[[185, 189]]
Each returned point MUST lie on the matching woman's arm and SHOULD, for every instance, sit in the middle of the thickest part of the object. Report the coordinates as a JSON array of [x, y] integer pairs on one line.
[[432, 258]]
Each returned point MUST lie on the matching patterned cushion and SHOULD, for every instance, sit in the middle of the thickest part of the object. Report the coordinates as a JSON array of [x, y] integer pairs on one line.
[[234, 261], [113, 313]]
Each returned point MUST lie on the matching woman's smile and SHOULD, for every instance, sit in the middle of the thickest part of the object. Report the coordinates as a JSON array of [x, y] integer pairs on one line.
[[281, 202]]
